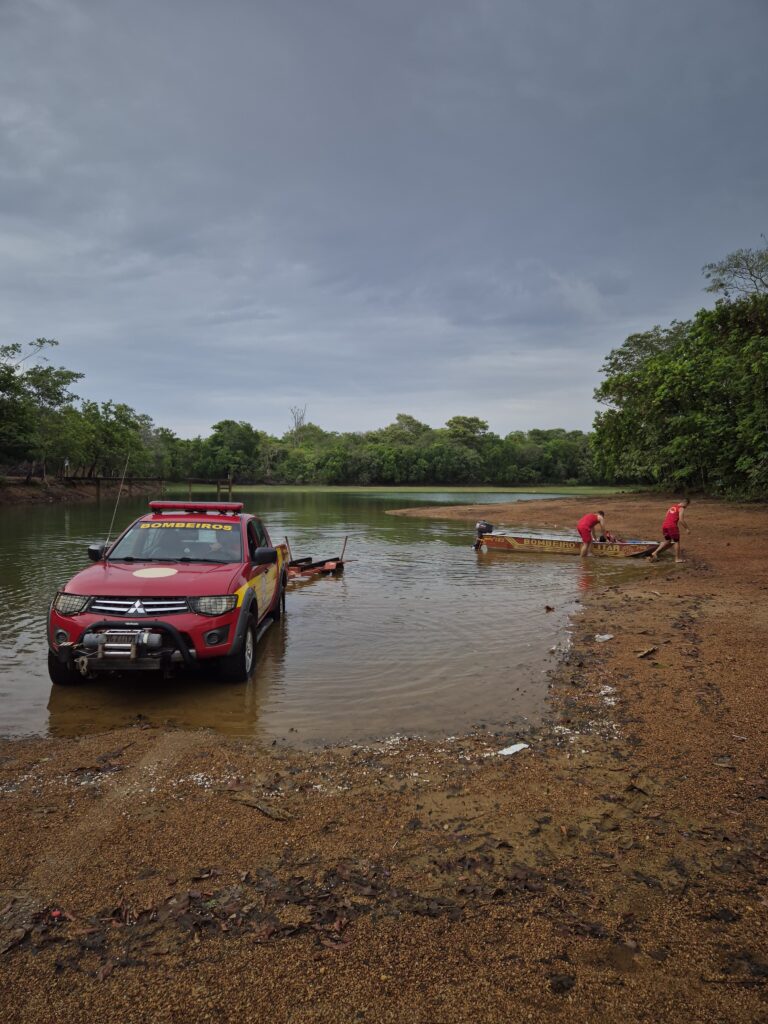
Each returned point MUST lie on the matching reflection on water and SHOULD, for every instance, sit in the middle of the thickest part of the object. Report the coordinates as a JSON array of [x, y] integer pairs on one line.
[[421, 634], [197, 701]]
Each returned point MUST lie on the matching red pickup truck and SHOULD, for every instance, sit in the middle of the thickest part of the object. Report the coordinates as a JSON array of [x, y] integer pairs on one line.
[[190, 583]]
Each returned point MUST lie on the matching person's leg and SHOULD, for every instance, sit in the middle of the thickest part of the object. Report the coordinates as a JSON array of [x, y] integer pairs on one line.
[[586, 537], [662, 547], [678, 552]]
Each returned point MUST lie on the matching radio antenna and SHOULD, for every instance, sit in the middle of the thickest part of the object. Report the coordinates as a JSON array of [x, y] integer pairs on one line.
[[117, 501]]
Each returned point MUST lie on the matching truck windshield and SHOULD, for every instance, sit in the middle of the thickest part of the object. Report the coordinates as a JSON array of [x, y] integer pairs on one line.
[[179, 542]]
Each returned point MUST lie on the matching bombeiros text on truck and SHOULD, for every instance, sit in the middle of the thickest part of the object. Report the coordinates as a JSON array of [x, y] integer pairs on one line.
[[189, 583]]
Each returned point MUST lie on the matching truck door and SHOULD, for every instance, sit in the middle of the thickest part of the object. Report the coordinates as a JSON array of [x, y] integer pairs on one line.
[[263, 578]]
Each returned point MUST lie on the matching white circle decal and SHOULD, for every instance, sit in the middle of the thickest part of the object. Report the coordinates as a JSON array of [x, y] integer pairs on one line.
[[155, 574]]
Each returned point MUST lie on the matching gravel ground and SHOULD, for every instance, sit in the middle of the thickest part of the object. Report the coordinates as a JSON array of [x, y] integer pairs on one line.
[[613, 869]]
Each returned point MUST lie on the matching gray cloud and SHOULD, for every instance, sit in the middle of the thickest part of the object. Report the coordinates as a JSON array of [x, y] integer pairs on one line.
[[441, 208]]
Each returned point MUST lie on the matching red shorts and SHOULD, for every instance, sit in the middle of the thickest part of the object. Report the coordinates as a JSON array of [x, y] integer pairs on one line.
[[671, 533], [586, 535]]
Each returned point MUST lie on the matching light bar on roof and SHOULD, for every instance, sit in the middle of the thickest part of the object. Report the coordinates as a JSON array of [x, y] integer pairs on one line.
[[220, 507]]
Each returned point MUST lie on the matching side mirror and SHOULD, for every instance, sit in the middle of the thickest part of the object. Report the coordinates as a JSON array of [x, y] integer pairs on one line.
[[96, 552], [265, 556]]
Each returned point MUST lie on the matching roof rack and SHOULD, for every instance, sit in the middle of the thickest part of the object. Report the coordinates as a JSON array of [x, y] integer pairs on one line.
[[221, 507]]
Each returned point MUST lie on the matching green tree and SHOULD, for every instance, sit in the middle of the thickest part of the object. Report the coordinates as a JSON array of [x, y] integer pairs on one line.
[[16, 409], [452, 463], [115, 436], [233, 447], [406, 430], [468, 430], [32, 401], [692, 411]]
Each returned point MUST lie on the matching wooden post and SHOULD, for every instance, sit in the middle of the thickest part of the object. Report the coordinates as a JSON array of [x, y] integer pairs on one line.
[[218, 490], [229, 481]]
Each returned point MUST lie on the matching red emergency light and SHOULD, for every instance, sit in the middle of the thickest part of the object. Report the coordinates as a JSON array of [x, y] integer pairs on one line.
[[222, 508]]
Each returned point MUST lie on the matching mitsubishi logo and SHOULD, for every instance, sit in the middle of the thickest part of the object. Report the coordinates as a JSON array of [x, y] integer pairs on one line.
[[137, 608]]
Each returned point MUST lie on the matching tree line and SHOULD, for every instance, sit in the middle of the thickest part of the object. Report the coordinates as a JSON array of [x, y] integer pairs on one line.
[[45, 429], [685, 408]]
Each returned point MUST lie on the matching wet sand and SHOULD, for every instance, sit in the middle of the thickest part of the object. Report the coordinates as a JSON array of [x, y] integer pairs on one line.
[[614, 869]]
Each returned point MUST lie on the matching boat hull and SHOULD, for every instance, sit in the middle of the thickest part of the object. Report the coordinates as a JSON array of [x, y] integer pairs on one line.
[[563, 546]]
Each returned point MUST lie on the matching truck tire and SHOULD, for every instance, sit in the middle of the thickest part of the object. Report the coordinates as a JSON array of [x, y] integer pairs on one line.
[[61, 674], [236, 668], [279, 608]]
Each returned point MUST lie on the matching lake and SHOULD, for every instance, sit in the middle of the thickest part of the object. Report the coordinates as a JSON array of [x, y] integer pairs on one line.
[[421, 635]]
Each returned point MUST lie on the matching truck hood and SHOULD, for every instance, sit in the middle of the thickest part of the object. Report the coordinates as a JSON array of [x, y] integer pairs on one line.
[[129, 579]]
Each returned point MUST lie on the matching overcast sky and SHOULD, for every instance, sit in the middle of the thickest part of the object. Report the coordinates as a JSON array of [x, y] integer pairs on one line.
[[438, 207]]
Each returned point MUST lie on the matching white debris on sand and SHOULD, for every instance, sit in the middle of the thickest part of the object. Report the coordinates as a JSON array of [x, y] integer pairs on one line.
[[514, 749]]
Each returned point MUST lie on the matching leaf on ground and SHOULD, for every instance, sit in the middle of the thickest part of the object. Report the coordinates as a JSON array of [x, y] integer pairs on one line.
[[105, 970], [724, 761], [337, 944], [11, 939], [647, 651], [251, 801]]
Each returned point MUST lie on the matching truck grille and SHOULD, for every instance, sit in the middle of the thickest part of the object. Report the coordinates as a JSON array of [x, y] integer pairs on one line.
[[128, 607]]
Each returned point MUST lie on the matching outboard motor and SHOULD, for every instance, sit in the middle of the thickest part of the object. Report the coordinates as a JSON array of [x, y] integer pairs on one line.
[[481, 528]]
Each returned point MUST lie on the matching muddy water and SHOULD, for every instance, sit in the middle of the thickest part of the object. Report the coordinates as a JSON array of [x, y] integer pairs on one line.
[[420, 635]]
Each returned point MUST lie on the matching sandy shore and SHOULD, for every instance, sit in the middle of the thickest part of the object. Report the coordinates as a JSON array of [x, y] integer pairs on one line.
[[616, 869]]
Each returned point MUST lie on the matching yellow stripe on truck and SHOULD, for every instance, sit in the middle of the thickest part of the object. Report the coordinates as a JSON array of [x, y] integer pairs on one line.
[[240, 592]]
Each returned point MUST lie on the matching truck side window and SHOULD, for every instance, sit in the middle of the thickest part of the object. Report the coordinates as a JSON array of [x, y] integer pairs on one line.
[[260, 535], [252, 541]]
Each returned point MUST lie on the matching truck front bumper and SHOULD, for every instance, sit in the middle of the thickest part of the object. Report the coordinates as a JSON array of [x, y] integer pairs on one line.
[[118, 645]]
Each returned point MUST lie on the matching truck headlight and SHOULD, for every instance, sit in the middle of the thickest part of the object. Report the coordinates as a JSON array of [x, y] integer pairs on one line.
[[70, 604], [213, 605]]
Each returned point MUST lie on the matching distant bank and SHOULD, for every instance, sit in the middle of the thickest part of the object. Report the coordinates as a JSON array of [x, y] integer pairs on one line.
[[19, 491]]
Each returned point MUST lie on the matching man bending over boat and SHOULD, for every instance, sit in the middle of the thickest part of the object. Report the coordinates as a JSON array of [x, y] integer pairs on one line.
[[590, 527]]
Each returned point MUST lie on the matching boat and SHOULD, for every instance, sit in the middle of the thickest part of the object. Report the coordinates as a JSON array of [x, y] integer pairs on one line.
[[559, 545], [567, 545]]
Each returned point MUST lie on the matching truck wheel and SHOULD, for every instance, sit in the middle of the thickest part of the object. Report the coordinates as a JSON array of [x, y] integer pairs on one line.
[[236, 668], [61, 674], [279, 609]]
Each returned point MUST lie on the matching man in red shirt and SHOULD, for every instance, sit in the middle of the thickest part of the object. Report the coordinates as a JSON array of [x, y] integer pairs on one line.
[[586, 527], [670, 528]]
